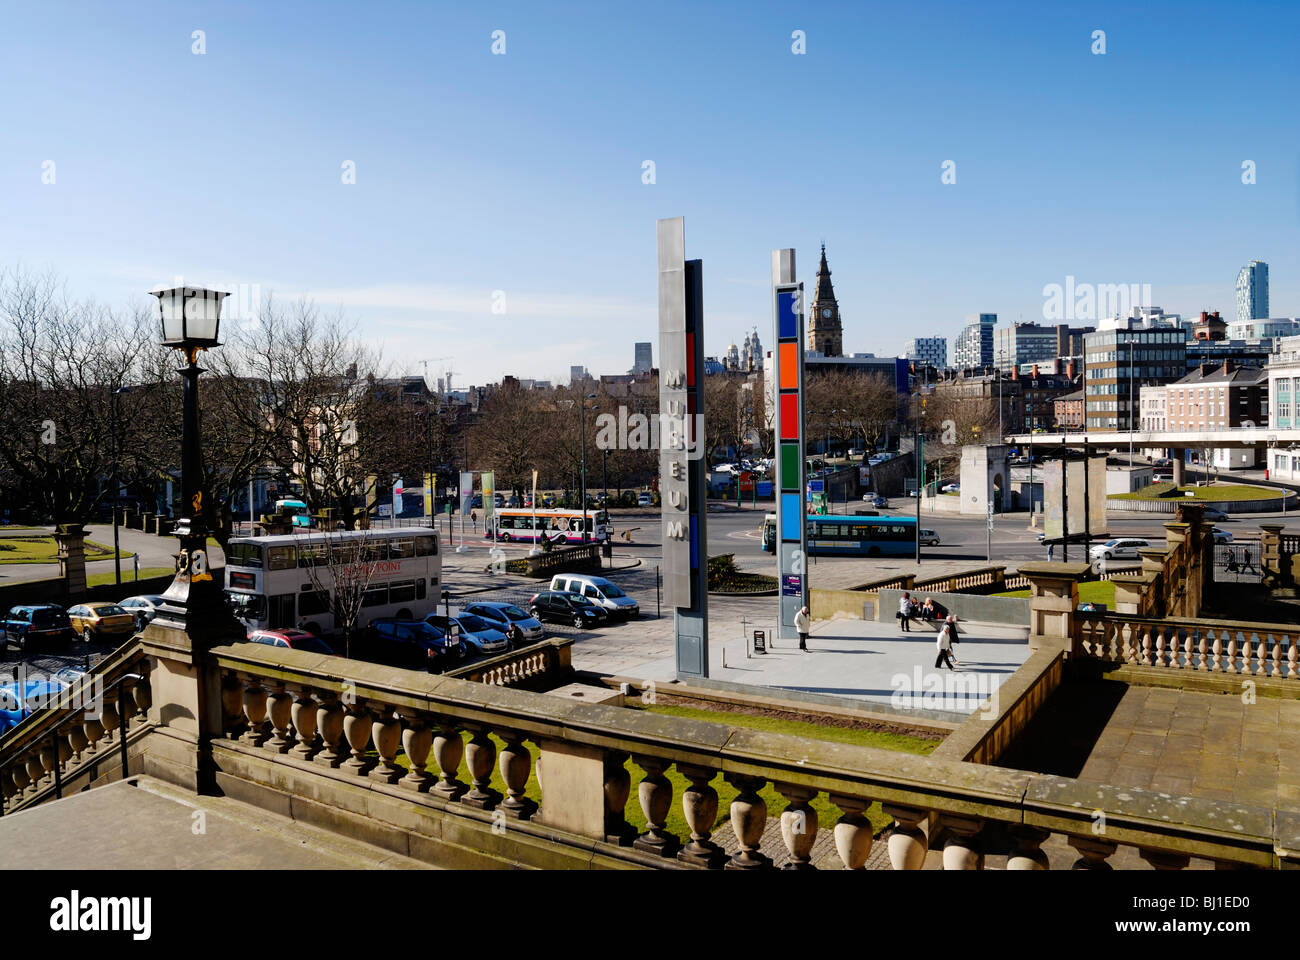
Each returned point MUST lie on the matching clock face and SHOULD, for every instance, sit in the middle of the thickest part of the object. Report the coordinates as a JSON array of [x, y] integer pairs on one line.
[[826, 312]]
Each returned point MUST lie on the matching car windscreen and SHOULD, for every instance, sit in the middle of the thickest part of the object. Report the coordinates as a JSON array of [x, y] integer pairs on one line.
[[514, 613], [612, 591], [470, 622]]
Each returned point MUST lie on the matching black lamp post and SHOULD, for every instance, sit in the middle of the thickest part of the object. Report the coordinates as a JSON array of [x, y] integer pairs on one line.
[[112, 430], [582, 422], [190, 317]]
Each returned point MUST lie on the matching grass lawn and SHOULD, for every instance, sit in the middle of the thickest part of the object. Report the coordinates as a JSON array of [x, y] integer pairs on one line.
[[1090, 591], [128, 575], [44, 549], [1215, 492], [827, 813]]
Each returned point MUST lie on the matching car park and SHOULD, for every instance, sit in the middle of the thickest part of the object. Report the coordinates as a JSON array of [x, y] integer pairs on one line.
[[563, 607], [477, 635], [144, 608], [516, 622], [412, 644], [99, 621], [31, 624], [292, 639], [1122, 548], [599, 591], [36, 694]]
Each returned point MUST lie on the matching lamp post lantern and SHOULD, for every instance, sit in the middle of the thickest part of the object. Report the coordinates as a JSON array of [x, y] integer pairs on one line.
[[190, 319]]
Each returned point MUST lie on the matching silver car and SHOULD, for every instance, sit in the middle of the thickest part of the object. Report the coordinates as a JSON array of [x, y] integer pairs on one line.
[[514, 621]]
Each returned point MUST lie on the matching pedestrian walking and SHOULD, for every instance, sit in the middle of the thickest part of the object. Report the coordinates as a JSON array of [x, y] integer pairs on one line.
[[1051, 548], [944, 644], [801, 624], [1245, 560], [473, 519], [1232, 560], [905, 612]]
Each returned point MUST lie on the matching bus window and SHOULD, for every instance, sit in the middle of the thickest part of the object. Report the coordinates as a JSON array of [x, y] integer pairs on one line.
[[280, 558], [312, 554], [313, 603], [375, 550], [401, 549], [426, 546], [401, 592], [280, 611], [245, 555], [375, 596], [506, 523]]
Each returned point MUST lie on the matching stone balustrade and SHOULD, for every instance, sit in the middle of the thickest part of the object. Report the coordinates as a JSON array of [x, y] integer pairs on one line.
[[549, 661], [1210, 646], [350, 735]]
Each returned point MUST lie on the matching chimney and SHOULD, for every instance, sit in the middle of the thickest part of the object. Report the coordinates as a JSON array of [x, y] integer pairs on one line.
[[1204, 316], [1035, 373], [1069, 368], [1015, 371], [1227, 366], [1207, 368]]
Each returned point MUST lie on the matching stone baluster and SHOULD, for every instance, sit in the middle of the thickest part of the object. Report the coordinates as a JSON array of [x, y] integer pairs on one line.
[[1216, 654], [356, 731], [1162, 860], [255, 712], [303, 716], [1093, 852], [17, 774], [109, 716], [142, 693], [417, 741], [279, 709], [386, 731], [1202, 661], [480, 754], [232, 706], [960, 848], [515, 764], [853, 834], [77, 739], [1160, 649], [1027, 854], [35, 771], [748, 819], [1276, 656], [1146, 648], [617, 788], [798, 825], [7, 788], [329, 721], [94, 727], [656, 795], [1261, 655], [1231, 666], [1292, 655], [448, 751], [700, 808], [908, 843]]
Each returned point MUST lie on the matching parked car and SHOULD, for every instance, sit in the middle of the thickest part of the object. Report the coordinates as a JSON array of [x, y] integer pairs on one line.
[[476, 503], [565, 607], [513, 501], [143, 608], [478, 636], [645, 500], [34, 623], [412, 644], [1119, 549], [929, 538], [293, 639], [99, 620], [1221, 536], [599, 591], [519, 626], [36, 694], [1215, 515], [876, 500], [950, 488]]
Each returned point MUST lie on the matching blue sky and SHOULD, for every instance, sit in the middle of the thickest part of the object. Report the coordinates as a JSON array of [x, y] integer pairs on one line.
[[523, 172]]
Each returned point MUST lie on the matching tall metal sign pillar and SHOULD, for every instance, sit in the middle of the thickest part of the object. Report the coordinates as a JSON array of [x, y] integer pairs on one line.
[[682, 474], [787, 393]]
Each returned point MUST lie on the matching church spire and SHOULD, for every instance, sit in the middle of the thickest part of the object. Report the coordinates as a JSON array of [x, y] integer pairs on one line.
[[824, 331]]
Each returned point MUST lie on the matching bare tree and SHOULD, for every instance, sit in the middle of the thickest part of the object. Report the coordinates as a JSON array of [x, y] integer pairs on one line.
[[341, 565]]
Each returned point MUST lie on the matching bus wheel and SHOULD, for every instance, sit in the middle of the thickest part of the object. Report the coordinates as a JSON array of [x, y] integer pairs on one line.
[[505, 538], [403, 614], [873, 552]]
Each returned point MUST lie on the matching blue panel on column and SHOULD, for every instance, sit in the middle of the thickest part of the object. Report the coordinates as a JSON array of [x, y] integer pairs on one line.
[[788, 327], [695, 545], [790, 516]]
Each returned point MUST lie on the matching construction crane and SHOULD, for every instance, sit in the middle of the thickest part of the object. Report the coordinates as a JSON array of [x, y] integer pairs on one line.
[[449, 371]]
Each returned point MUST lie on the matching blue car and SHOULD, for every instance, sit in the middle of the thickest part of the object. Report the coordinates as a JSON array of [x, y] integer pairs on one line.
[[479, 635], [412, 644], [37, 693], [32, 623], [514, 621]]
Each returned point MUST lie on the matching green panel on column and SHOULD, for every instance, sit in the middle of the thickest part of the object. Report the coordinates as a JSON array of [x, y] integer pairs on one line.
[[789, 466]]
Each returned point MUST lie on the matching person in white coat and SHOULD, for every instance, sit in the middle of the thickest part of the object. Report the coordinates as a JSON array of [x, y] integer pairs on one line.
[[802, 623], [944, 644]]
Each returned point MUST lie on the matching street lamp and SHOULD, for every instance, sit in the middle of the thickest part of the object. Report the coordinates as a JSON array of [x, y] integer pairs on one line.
[[190, 318], [582, 420], [112, 430]]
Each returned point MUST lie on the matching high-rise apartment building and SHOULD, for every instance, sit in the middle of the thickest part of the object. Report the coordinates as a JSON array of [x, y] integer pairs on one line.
[[974, 346], [1252, 291], [643, 359], [928, 350], [1023, 343]]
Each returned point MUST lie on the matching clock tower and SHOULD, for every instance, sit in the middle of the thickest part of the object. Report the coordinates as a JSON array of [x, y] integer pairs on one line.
[[824, 331]]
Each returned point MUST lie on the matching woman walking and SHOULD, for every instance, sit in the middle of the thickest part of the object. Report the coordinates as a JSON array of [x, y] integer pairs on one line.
[[944, 644]]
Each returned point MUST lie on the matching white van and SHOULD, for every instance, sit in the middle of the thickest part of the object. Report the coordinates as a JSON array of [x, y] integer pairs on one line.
[[599, 591]]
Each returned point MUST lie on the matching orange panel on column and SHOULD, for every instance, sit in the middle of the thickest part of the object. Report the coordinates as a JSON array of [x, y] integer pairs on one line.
[[789, 366]]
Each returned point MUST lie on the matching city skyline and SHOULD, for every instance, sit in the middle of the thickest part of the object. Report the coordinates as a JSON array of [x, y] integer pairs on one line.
[[485, 194]]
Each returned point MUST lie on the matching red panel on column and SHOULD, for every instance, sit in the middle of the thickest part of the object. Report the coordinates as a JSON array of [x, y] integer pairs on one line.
[[789, 416]]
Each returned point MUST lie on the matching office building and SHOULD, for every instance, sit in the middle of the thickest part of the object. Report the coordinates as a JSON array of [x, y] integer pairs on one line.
[[931, 351], [1252, 291], [1263, 329], [973, 348], [643, 359], [1117, 363], [1023, 343]]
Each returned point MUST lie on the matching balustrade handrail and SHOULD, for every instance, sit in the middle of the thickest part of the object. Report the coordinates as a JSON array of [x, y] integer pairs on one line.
[[1189, 623]]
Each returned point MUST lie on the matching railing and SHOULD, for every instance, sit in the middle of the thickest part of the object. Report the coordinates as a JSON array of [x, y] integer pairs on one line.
[[79, 738], [900, 582], [548, 660], [1217, 646], [979, 580], [286, 720], [564, 558]]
